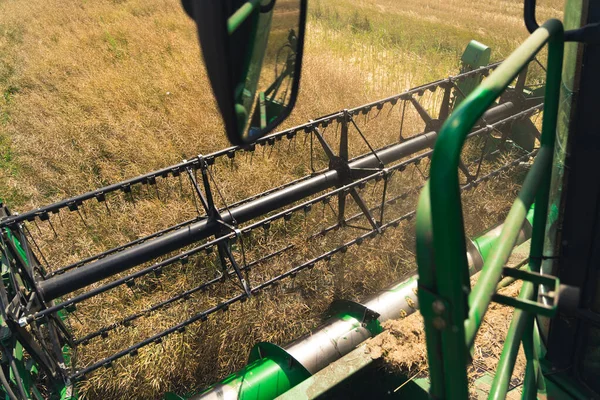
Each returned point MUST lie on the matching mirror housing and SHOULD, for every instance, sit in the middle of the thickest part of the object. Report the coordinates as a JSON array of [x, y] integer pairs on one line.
[[240, 40]]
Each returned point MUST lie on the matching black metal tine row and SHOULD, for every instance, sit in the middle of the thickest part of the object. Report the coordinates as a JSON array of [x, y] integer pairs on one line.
[[274, 282], [185, 295], [102, 332], [286, 214], [356, 216], [207, 247], [416, 189], [304, 207], [183, 224], [514, 163], [157, 268], [156, 339], [486, 153], [73, 204], [419, 90], [124, 246]]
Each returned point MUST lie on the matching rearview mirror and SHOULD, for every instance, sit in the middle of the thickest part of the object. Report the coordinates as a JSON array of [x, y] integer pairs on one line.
[[253, 56]]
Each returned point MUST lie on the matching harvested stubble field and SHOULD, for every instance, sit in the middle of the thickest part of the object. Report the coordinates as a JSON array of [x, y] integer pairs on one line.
[[97, 92]]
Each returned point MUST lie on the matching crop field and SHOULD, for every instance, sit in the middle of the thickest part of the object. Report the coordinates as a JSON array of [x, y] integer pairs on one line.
[[95, 92]]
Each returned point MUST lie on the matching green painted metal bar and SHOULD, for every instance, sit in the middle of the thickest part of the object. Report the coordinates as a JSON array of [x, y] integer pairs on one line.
[[548, 139], [533, 382], [540, 353], [486, 241], [242, 13], [427, 282], [446, 278], [536, 185], [520, 318], [530, 386], [264, 379], [511, 348], [481, 297]]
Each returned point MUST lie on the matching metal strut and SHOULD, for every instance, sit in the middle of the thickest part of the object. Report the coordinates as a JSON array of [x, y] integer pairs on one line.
[[346, 173], [214, 215]]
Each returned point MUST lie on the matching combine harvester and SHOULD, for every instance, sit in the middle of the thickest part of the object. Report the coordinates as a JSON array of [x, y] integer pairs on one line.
[[361, 189]]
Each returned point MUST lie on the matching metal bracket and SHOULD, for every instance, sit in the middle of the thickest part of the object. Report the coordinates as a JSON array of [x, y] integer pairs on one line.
[[365, 210], [530, 306], [437, 310], [431, 124], [34, 349], [225, 253], [340, 164], [445, 106], [433, 306], [213, 214]]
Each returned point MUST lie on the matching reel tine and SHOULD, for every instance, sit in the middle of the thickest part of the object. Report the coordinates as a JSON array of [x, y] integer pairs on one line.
[[52, 227], [38, 227]]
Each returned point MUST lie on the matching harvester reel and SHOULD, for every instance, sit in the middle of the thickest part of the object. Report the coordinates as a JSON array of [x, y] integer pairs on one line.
[[223, 238]]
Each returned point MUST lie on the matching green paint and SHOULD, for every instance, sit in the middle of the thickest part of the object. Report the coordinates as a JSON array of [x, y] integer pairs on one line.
[[27, 368], [17, 244], [274, 375], [264, 379], [354, 322], [511, 346], [475, 55], [241, 15], [440, 230], [486, 241]]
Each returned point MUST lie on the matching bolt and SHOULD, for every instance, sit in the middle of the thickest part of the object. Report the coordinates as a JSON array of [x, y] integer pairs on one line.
[[439, 323], [438, 307]]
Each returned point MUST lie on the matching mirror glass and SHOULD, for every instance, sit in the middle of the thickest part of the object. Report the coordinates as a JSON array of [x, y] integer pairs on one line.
[[266, 69]]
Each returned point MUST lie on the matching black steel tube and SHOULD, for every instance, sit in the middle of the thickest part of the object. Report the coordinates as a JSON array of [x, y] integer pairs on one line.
[[70, 281]]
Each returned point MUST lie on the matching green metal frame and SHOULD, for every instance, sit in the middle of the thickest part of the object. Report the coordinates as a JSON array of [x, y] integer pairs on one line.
[[452, 312], [26, 366]]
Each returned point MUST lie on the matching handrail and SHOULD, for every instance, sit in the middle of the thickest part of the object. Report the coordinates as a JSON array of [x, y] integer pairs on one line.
[[453, 315]]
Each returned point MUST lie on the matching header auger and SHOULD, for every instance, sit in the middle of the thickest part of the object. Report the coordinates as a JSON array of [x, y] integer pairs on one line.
[[352, 185]]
